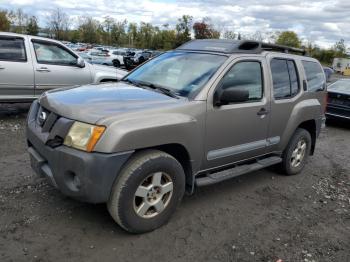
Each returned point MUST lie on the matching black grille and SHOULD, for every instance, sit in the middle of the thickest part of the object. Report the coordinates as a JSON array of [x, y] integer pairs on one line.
[[46, 119], [339, 101], [41, 116]]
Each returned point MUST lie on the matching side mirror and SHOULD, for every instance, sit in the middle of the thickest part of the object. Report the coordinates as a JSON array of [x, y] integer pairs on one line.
[[233, 95], [80, 62]]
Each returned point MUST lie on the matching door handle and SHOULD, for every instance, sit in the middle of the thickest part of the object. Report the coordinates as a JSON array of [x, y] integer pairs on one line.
[[43, 69], [263, 112], [1, 67]]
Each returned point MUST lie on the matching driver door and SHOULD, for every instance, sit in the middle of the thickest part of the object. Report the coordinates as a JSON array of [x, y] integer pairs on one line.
[[56, 66], [238, 131]]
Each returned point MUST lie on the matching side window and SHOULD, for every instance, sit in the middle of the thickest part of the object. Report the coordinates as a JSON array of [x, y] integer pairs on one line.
[[285, 78], [50, 53], [293, 75], [245, 75], [314, 75], [12, 49], [280, 77]]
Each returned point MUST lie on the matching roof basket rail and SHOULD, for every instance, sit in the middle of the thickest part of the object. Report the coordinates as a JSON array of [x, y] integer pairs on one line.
[[237, 46], [282, 48], [256, 45]]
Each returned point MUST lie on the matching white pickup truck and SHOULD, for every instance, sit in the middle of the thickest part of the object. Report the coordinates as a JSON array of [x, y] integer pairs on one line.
[[30, 65]]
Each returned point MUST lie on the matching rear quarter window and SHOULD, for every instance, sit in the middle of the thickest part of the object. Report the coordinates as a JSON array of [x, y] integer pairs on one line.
[[314, 76], [12, 49]]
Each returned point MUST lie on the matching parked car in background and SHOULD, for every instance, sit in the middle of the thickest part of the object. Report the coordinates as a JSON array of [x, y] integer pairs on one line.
[[338, 105], [96, 52], [136, 58], [195, 116], [82, 48], [340, 64], [328, 72], [106, 61], [85, 56], [117, 56], [30, 65]]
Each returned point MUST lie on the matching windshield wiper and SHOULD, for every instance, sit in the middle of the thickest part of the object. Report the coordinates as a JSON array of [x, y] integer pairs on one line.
[[162, 89], [134, 83]]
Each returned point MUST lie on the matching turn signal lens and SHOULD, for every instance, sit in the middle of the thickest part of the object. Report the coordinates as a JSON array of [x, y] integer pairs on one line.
[[96, 134]]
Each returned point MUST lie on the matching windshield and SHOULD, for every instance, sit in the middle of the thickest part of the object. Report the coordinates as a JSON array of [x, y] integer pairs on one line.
[[340, 86], [181, 72]]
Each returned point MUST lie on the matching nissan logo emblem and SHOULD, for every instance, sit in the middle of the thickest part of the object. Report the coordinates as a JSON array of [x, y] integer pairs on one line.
[[42, 117]]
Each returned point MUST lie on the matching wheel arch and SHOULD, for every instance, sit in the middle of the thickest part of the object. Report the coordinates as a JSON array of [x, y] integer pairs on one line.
[[181, 154], [310, 126], [306, 114]]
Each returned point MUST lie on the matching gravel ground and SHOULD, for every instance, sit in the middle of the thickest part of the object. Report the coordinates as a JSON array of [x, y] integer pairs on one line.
[[260, 216]]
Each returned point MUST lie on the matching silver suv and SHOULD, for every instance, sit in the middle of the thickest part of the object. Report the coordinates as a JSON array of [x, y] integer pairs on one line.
[[201, 114], [30, 65]]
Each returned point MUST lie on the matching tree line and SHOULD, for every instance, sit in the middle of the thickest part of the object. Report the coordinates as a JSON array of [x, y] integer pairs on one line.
[[110, 31]]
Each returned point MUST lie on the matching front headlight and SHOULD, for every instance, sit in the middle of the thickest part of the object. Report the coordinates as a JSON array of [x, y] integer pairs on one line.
[[83, 136]]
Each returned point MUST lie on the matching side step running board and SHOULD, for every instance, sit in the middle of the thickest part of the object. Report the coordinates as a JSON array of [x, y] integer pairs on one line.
[[237, 171]]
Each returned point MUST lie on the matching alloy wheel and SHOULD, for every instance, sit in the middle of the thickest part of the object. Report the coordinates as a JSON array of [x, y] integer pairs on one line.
[[298, 153], [153, 195]]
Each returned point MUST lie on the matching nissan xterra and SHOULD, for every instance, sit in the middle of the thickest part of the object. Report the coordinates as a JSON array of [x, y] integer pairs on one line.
[[195, 116]]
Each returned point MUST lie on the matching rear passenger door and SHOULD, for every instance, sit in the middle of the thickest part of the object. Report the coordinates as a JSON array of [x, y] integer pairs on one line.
[[286, 93], [16, 69], [315, 80]]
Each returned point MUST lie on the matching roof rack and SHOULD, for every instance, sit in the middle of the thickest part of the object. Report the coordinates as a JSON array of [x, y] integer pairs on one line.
[[282, 48], [227, 46]]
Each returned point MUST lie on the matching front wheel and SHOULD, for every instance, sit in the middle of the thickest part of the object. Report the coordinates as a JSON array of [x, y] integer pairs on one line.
[[297, 152], [147, 191]]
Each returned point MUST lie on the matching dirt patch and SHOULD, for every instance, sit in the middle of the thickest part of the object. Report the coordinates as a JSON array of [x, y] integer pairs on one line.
[[260, 216]]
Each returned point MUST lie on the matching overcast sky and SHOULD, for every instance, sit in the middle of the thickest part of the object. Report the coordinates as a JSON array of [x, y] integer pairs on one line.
[[321, 21]]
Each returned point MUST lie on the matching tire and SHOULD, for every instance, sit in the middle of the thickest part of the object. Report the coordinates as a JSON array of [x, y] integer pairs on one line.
[[128, 64], [141, 60], [116, 63], [294, 158], [138, 214]]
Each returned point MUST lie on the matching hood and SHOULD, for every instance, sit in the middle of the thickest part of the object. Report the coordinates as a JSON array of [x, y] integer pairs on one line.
[[91, 103], [340, 87]]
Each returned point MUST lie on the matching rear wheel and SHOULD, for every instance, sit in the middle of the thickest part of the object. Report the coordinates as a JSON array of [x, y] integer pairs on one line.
[[297, 152], [147, 191], [141, 60], [116, 63]]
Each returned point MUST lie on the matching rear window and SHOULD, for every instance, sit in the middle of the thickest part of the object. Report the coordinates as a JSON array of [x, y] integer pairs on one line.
[[314, 75], [285, 78], [12, 49]]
